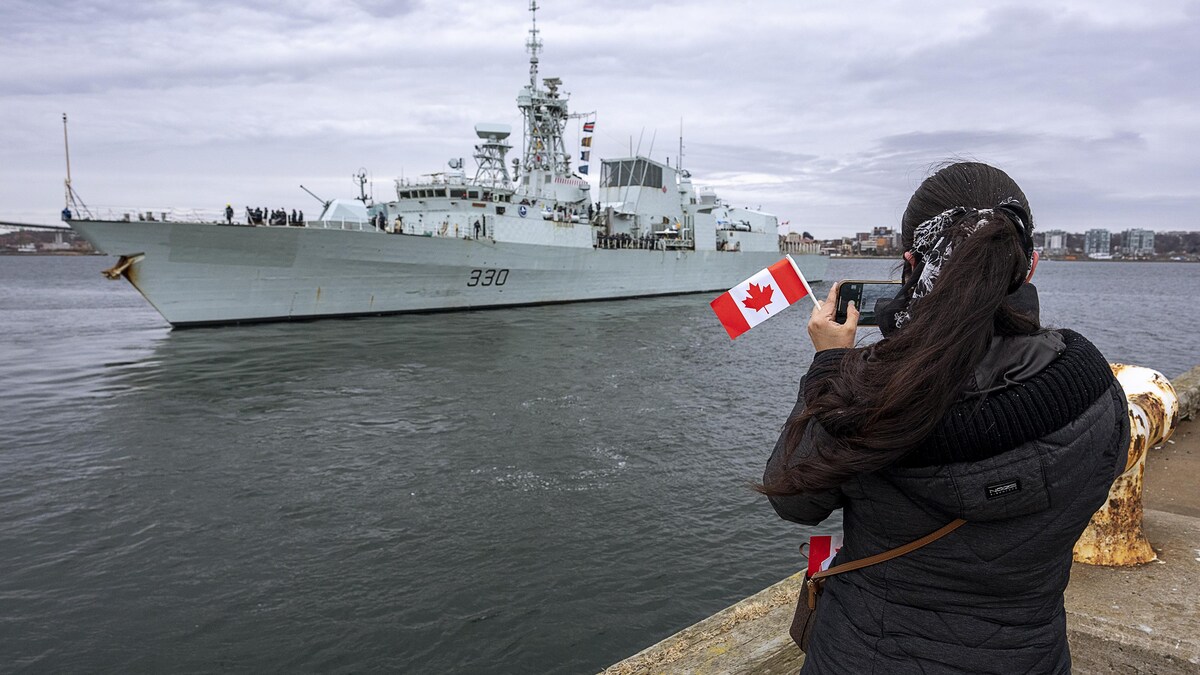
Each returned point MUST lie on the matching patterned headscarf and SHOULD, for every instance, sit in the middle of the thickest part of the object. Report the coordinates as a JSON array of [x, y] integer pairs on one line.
[[934, 241]]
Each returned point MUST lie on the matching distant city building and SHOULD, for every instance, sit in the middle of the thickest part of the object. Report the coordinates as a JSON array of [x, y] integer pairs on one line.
[[1182, 245], [886, 239], [842, 246], [1055, 243], [1097, 243], [1137, 243], [881, 241], [795, 242]]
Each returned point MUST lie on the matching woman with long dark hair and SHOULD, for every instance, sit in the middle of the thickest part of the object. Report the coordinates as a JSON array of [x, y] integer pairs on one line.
[[966, 408]]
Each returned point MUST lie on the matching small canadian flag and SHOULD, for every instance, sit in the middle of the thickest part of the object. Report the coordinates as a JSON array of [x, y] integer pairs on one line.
[[821, 550], [761, 296]]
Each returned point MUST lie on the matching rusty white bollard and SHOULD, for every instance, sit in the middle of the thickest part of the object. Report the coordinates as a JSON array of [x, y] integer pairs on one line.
[[1114, 536]]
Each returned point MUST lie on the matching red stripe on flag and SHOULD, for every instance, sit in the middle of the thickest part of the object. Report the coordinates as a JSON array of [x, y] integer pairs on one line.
[[731, 317], [785, 275], [818, 549]]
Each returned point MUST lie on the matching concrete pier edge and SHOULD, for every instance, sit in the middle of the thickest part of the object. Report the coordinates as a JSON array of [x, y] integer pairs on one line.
[[1142, 619], [1187, 387]]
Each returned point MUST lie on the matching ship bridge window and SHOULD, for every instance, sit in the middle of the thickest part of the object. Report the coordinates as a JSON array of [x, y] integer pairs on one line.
[[458, 194], [637, 172]]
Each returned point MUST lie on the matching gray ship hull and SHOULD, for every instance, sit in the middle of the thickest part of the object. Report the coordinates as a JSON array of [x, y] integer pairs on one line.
[[207, 274]]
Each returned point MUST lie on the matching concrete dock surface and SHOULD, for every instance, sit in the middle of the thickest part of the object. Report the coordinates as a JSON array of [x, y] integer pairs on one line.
[[1143, 619]]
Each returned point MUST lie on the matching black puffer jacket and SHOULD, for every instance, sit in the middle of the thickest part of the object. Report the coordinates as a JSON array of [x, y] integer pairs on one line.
[[1026, 458]]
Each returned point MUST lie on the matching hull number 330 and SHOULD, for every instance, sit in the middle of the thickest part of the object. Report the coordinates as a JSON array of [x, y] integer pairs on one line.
[[487, 277]]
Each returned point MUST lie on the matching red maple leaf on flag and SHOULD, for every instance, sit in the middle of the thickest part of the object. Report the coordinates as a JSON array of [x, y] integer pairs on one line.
[[759, 297]]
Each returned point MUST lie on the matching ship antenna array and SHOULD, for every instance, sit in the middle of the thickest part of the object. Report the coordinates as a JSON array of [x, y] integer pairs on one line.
[[533, 45], [360, 179], [679, 159], [72, 200]]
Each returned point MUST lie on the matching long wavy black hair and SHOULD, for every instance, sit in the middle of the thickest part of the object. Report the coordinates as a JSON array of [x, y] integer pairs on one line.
[[888, 397]]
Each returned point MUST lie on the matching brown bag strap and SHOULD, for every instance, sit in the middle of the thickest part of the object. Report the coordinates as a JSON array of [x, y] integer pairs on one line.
[[894, 553]]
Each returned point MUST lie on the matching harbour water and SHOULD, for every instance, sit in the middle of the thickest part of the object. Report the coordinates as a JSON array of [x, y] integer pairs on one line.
[[543, 489]]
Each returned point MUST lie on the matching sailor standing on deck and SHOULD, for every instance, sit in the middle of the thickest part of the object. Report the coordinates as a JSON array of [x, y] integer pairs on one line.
[[228, 214]]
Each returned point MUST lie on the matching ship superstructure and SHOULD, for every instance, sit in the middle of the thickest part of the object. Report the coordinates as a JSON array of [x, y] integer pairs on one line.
[[535, 234]]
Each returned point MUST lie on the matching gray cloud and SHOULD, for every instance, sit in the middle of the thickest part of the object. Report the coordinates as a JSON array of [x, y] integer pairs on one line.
[[825, 114]]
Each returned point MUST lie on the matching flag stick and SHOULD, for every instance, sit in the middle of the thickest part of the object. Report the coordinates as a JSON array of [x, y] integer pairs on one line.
[[803, 281]]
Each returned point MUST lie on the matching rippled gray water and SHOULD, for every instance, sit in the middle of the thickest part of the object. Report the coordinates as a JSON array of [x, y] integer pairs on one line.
[[529, 490]]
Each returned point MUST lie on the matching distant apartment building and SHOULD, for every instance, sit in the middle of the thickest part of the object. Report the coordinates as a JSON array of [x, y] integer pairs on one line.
[[1097, 243], [1055, 243], [842, 246], [1137, 243], [886, 239]]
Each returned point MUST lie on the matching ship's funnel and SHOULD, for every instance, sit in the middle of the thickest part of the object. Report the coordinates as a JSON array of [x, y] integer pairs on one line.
[[500, 131]]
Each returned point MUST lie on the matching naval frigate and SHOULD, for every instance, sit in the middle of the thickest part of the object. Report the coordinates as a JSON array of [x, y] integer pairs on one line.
[[453, 242]]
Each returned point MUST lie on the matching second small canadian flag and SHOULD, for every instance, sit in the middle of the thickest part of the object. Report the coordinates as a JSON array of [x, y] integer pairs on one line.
[[760, 297], [821, 549]]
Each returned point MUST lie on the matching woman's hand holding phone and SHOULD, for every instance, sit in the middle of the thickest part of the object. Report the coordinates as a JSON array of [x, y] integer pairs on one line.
[[827, 333]]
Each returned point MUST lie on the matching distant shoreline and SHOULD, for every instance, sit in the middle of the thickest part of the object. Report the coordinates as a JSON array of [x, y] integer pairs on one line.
[[1081, 259], [45, 254]]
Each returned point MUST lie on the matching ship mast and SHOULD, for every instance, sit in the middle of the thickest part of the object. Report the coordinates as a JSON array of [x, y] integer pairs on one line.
[[67, 150], [71, 199], [545, 112]]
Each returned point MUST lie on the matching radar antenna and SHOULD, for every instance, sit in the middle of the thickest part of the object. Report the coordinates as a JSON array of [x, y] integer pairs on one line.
[[490, 155], [360, 179]]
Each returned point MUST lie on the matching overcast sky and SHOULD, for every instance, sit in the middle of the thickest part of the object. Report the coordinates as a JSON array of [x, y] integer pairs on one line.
[[825, 113]]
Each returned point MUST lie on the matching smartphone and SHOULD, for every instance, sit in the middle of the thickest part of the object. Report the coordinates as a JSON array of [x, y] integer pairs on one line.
[[866, 296]]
